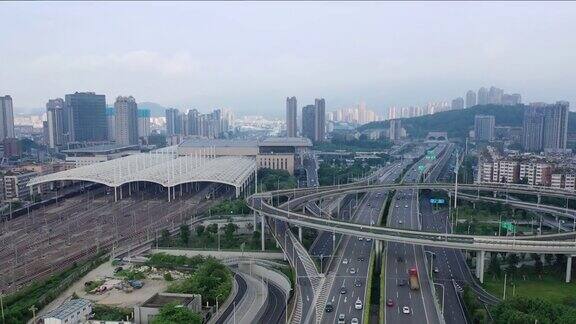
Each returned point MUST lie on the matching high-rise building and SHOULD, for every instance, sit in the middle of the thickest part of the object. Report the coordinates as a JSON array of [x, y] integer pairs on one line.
[[291, 116], [86, 113], [555, 126], [6, 118], [320, 119], [482, 96], [495, 96], [126, 120], [172, 121], [309, 122], [55, 123], [395, 129], [484, 127], [143, 124], [511, 99], [458, 103], [470, 99], [533, 127], [111, 121], [194, 124]]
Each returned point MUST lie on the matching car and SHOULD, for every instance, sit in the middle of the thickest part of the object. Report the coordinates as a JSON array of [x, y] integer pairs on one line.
[[360, 238], [357, 283], [405, 206], [354, 321], [436, 270], [399, 221], [358, 304], [402, 282], [368, 239], [329, 308], [341, 319], [352, 271], [399, 259], [389, 302], [406, 310], [369, 205], [361, 258], [343, 290], [345, 261], [397, 206]]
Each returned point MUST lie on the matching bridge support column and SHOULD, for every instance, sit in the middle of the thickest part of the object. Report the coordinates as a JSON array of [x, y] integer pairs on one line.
[[115, 195], [568, 268], [120, 192], [262, 231], [129, 189], [495, 194], [169, 194], [480, 265], [300, 234], [237, 192], [539, 199]]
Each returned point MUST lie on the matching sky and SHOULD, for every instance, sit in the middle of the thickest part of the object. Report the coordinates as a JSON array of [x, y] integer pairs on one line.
[[249, 56]]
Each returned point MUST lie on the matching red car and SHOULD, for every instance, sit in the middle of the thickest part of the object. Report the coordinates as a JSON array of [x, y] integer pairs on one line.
[[389, 303]]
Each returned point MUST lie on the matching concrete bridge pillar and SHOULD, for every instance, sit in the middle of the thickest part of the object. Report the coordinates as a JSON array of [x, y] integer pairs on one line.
[[262, 231], [495, 193], [568, 268], [300, 234], [482, 260], [539, 199]]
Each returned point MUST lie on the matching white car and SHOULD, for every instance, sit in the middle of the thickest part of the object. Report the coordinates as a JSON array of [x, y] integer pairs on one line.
[[368, 239], [341, 318], [345, 261], [405, 206], [406, 310], [360, 238], [354, 321], [358, 304], [352, 271], [400, 222]]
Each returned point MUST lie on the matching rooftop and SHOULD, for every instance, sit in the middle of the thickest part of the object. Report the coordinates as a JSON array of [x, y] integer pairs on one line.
[[67, 308], [286, 141], [204, 142], [104, 148], [161, 299]]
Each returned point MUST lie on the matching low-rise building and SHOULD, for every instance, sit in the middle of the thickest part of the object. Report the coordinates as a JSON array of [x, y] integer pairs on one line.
[[70, 312], [536, 174], [144, 313], [15, 185], [99, 153]]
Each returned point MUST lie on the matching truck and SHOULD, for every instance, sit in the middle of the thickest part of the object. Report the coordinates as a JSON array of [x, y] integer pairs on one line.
[[414, 284]]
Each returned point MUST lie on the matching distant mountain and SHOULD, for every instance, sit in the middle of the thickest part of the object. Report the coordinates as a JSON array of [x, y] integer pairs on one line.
[[459, 122], [156, 110]]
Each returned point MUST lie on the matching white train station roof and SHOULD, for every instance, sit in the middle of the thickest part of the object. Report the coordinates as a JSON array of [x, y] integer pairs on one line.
[[162, 166]]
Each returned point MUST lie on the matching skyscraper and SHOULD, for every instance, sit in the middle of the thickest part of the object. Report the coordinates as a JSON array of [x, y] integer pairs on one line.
[[458, 103], [6, 118], [495, 95], [172, 125], [143, 123], [309, 122], [111, 121], [291, 116], [55, 122], [533, 127], [484, 127], [320, 119], [86, 113], [511, 99], [395, 129], [482, 96], [555, 126], [470, 99], [126, 120], [193, 120]]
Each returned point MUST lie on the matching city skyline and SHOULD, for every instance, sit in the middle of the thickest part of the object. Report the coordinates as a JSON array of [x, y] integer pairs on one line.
[[383, 69]]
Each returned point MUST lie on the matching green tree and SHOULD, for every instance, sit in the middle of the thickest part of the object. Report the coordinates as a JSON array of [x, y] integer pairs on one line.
[[184, 234], [212, 228], [200, 230], [165, 236], [512, 262], [229, 231], [173, 313], [494, 265], [548, 258]]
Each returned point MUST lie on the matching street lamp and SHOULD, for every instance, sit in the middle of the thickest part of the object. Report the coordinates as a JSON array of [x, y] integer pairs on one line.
[[217, 304]]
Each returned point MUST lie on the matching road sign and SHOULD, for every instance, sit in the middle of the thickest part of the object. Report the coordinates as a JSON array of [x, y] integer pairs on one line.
[[437, 201], [508, 226]]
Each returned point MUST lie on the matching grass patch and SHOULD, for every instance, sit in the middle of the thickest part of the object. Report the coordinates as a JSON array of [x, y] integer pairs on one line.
[[111, 313], [551, 287], [88, 287]]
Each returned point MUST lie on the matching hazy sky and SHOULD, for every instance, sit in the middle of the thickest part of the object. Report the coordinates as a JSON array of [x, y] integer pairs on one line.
[[250, 55]]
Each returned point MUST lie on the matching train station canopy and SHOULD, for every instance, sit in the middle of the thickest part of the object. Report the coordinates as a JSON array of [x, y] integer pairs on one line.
[[162, 166]]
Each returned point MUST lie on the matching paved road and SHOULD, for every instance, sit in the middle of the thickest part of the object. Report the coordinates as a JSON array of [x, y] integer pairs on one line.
[[276, 309], [229, 311], [401, 257], [351, 267]]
